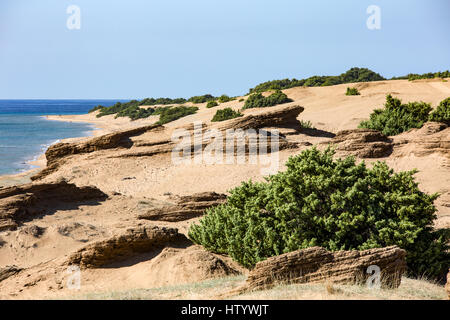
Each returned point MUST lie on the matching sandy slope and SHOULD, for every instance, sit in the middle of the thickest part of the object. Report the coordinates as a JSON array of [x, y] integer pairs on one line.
[[136, 183]]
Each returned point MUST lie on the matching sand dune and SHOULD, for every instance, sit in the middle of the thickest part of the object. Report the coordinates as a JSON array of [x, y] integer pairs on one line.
[[142, 176]]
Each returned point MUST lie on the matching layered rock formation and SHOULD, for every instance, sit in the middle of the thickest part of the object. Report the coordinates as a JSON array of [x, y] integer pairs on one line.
[[8, 271], [319, 265], [280, 117], [26, 201], [121, 139], [186, 207], [119, 247], [362, 143], [432, 138]]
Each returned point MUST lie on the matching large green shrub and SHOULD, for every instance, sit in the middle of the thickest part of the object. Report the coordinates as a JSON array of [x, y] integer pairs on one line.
[[171, 114], [396, 117], [335, 204], [226, 114], [442, 112], [257, 100]]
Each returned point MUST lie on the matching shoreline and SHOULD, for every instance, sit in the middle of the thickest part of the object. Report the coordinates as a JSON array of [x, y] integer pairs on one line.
[[40, 162], [101, 126]]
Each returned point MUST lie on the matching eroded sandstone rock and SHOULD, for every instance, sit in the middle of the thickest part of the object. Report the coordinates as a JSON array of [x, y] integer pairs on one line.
[[8, 271], [57, 152], [119, 247], [22, 202], [186, 207], [362, 143], [316, 264], [433, 137]]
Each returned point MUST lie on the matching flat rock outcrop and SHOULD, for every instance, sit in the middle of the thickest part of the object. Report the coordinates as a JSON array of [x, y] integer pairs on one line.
[[22, 202], [316, 264], [120, 247], [185, 207], [282, 117], [362, 143], [56, 153], [432, 138]]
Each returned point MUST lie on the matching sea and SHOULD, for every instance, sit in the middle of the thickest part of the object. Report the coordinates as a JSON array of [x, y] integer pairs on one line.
[[25, 133]]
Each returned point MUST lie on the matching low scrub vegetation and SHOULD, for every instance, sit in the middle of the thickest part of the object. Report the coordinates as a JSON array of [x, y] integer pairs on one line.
[[257, 100], [333, 203], [135, 112], [226, 114], [442, 112], [429, 75], [352, 75], [352, 92], [171, 114], [202, 99], [212, 104], [224, 98], [396, 117]]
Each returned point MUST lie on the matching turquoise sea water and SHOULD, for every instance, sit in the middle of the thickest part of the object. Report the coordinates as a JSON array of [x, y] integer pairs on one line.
[[25, 133]]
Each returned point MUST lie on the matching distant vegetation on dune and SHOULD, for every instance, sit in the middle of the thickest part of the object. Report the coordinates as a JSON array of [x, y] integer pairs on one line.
[[174, 113], [202, 99], [352, 75], [429, 75], [132, 108], [257, 100], [397, 117], [212, 104], [224, 98], [226, 114]]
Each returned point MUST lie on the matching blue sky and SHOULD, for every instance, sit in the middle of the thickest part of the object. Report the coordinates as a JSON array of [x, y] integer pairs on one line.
[[158, 48]]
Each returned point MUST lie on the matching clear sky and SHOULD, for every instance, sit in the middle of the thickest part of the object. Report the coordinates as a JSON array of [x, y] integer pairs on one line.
[[171, 48]]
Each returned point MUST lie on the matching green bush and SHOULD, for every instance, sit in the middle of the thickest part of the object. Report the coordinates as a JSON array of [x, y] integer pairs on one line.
[[257, 100], [226, 114], [396, 117], [171, 114], [99, 107], [306, 124], [224, 98], [352, 92], [135, 112], [212, 104], [201, 99], [442, 112], [335, 204]]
